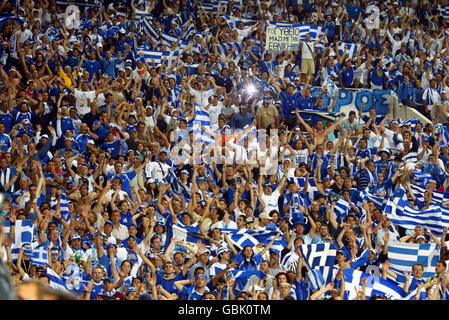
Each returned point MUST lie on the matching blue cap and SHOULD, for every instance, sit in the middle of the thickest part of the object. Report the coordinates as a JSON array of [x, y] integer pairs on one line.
[[201, 275], [109, 222], [132, 289], [110, 279], [132, 236]]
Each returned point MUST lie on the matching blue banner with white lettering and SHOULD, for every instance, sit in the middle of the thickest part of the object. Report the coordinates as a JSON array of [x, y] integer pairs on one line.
[[348, 100]]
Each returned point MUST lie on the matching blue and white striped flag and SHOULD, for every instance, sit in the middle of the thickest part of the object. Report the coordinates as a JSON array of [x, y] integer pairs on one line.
[[241, 277], [248, 237], [168, 39], [181, 233], [64, 206], [201, 119], [331, 87], [315, 279], [422, 179], [341, 209], [320, 256], [404, 255], [350, 48], [39, 256], [233, 22], [56, 282], [213, 6], [443, 130], [235, 47], [177, 187], [374, 286], [412, 122], [379, 202], [435, 218], [158, 56], [312, 188], [23, 235], [5, 18], [443, 11], [411, 157], [437, 196]]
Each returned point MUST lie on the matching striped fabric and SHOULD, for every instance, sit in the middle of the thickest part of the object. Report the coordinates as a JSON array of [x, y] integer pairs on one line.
[[374, 286], [320, 256], [404, 255]]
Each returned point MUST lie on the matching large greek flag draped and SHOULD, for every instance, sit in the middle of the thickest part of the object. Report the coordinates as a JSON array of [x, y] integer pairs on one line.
[[404, 255], [435, 218]]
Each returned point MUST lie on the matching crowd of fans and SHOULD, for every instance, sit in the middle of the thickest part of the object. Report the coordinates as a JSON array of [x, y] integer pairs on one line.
[[95, 138]]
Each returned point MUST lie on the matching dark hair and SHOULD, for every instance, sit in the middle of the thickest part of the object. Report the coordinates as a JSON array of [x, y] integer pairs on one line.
[[245, 262]]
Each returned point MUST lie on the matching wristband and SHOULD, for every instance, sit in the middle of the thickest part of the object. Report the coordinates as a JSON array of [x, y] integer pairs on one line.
[[13, 224]]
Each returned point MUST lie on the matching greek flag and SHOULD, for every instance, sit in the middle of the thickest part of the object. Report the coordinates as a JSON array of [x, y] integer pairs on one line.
[[39, 256], [64, 206], [215, 5], [412, 122], [201, 119], [56, 282], [252, 131], [411, 157], [404, 255], [443, 130], [443, 11], [320, 256], [379, 202], [301, 182], [177, 187], [5, 18], [341, 209], [156, 35], [435, 218], [23, 235], [316, 280], [314, 31], [247, 237], [182, 233], [290, 261], [331, 87], [350, 49], [374, 286], [233, 22], [158, 56], [73, 279], [438, 196], [241, 277], [223, 48], [422, 179]]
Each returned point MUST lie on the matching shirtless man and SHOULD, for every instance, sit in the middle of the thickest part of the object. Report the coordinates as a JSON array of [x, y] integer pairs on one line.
[[320, 134]]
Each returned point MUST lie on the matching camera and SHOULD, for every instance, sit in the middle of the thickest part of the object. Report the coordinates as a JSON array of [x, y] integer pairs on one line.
[[333, 197]]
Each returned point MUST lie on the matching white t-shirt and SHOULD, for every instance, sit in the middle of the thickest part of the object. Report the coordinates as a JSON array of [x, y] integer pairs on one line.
[[156, 170], [307, 50], [83, 99], [271, 201]]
